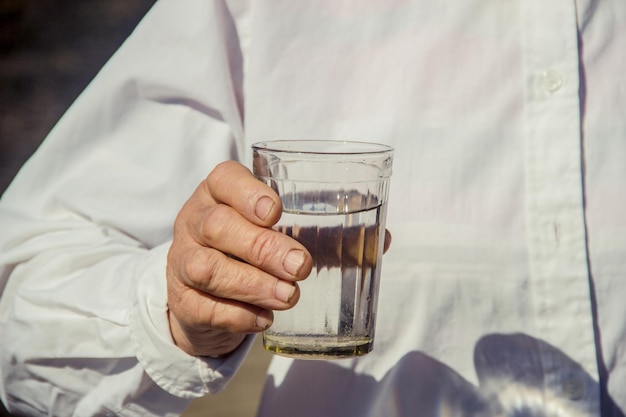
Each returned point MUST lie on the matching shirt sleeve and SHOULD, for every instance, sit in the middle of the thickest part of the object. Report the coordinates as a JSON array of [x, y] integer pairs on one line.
[[86, 224]]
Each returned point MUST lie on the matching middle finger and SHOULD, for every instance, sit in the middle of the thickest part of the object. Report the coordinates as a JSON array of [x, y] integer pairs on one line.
[[225, 229]]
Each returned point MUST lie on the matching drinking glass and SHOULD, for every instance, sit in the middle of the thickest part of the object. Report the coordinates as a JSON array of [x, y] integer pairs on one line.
[[334, 198]]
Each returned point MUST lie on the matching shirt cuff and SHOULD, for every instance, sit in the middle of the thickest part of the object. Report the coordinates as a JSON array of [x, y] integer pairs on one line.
[[168, 366]]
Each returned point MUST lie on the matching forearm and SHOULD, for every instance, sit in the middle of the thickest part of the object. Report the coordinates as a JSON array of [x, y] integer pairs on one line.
[[84, 328]]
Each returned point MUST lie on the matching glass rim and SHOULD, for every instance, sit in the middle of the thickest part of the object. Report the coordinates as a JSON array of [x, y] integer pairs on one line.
[[322, 147]]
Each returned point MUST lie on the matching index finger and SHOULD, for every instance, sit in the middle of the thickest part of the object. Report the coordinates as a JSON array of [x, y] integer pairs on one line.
[[233, 184]]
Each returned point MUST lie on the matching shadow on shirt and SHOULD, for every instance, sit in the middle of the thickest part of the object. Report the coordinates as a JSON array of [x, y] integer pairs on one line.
[[519, 376]]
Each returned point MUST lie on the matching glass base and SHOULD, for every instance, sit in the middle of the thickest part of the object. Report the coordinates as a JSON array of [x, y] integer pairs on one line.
[[316, 348]]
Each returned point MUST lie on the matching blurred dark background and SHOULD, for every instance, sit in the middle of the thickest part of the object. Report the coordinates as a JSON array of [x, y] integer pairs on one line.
[[49, 51]]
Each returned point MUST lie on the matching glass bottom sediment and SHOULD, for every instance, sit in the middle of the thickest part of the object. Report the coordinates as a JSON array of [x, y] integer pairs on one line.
[[316, 348]]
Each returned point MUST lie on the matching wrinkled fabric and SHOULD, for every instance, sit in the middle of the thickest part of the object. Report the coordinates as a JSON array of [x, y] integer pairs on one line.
[[502, 293]]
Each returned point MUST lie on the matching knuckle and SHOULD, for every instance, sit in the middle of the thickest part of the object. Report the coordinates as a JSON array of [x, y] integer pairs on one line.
[[200, 270], [219, 173], [216, 222], [264, 247], [226, 317], [208, 313]]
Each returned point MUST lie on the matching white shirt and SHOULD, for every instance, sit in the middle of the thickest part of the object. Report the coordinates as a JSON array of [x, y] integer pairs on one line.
[[504, 287]]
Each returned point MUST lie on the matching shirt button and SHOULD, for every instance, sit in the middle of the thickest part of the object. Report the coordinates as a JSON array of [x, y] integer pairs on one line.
[[573, 388], [552, 80]]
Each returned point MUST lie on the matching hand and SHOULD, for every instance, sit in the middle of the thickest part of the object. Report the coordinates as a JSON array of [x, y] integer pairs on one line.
[[226, 269]]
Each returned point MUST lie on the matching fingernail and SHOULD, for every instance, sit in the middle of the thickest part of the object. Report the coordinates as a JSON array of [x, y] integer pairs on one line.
[[264, 319], [293, 261], [284, 290], [263, 207]]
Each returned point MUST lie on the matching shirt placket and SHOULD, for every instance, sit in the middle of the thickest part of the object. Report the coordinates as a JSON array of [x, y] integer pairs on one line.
[[555, 196]]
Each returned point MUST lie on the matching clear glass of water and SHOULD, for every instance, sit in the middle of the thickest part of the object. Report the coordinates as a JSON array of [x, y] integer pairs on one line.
[[334, 197]]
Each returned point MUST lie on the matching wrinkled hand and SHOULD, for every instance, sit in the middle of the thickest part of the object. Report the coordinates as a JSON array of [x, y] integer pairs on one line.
[[227, 270]]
